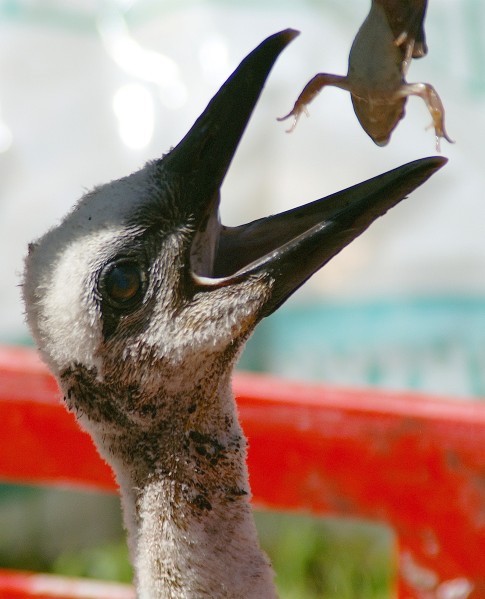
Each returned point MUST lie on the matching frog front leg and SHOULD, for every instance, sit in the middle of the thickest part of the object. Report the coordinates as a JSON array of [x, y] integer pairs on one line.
[[433, 102], [312, 89]]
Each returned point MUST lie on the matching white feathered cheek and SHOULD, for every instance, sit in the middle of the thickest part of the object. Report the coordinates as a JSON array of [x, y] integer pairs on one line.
[[70, 325]]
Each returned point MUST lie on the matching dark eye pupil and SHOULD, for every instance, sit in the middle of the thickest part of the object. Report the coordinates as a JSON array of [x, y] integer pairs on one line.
[[123, 283]]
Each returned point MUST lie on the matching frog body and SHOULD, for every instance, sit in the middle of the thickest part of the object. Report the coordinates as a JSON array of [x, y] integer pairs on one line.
[[391, 35]]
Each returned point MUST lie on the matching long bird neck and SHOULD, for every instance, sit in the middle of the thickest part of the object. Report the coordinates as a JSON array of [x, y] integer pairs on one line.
[[186, 502]]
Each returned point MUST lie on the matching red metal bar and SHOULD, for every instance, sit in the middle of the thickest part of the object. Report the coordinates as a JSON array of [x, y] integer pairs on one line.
[[413, 462]]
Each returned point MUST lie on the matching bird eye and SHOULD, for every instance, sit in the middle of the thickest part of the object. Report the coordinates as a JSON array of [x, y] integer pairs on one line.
[[124, 284]]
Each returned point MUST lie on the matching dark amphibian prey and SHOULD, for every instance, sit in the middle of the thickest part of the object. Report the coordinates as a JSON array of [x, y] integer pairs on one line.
[[391, 35], [140, 302]]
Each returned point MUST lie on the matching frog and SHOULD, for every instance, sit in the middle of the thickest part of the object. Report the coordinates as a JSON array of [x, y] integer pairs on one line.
[[389, 38]]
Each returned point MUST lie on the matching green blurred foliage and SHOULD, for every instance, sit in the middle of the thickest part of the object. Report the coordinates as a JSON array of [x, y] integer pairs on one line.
[[331, 558], [104, 562]]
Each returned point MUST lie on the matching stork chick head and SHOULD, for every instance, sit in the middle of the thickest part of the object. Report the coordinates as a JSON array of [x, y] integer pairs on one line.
[[142, 287]]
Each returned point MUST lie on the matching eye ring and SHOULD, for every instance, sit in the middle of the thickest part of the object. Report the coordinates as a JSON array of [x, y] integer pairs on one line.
[[123, 284]]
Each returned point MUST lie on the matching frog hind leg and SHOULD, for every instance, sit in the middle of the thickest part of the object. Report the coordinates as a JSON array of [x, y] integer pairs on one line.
[[310, 91], [434, 104]]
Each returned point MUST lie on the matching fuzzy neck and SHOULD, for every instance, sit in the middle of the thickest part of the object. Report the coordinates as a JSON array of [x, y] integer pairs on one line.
[[188, 514], [214, 553]]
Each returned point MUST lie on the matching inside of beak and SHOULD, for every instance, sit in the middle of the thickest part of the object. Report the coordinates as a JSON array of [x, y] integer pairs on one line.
[[205, 244], [299, 241]]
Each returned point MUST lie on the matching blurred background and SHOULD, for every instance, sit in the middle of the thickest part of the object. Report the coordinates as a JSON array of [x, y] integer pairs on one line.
[[91, 90]]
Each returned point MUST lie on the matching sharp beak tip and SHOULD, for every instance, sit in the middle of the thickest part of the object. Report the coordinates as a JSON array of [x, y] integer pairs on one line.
[[288, 35], [440, 161], [436, 162], [417, 172]]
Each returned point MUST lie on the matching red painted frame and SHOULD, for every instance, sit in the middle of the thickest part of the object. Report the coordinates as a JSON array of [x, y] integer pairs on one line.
[[415, 463]]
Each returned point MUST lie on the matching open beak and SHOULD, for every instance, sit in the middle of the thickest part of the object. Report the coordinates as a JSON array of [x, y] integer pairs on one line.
[[286, 248]]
